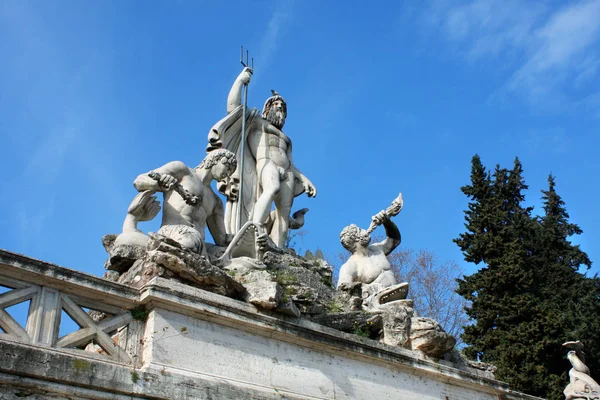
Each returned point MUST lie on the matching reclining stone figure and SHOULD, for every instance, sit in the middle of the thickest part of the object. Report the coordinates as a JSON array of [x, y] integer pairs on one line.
[[369, 267], [368, 263], [190, 204]]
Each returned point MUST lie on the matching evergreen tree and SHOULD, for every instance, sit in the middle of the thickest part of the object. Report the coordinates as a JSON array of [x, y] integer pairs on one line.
[[498, 232], [569, 298], [556, 230], [528, 297]]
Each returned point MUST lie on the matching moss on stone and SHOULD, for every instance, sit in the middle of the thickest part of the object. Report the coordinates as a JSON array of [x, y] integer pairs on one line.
[[139, 313]]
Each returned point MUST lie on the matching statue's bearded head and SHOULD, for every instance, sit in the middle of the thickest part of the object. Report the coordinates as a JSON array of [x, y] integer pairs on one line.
[[353, 236], [275, 110]]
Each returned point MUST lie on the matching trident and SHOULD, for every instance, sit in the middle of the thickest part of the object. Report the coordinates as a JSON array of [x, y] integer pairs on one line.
[[243, 143]]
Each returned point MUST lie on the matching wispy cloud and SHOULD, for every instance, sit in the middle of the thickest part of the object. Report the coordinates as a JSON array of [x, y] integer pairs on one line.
[[269, 43], [62, 103], [550, 54], [560, 55], [489, 28]]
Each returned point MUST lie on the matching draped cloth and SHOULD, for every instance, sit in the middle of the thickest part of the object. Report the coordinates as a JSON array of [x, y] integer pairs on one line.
[[227, 134]]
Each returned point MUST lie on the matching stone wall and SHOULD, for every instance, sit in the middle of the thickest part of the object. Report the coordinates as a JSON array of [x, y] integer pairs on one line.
[[168, 340]]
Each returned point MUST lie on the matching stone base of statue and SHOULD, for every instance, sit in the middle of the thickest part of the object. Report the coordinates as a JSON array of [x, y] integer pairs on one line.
[[283, 282], [165, 258], [166, 339]]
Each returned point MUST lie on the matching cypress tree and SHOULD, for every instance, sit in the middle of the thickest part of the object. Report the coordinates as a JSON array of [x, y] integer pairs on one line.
[[500, 292], [569, 298], [528, 297]]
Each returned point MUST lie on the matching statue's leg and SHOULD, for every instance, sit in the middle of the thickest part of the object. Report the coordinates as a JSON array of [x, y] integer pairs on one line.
[[269, 182], [283, 206], [386, 279], [188, 237]]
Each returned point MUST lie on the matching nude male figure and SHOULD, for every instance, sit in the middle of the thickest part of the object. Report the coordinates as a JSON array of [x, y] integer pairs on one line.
[[185, 222], [368, 263], [278, 178]]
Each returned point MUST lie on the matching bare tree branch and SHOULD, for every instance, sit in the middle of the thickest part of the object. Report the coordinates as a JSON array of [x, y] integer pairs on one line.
[[432, 286]]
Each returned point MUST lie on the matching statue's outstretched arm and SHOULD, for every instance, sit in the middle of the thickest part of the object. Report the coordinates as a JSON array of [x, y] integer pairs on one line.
[[170, 174], [234, 100], [391, 231], [348, 273]]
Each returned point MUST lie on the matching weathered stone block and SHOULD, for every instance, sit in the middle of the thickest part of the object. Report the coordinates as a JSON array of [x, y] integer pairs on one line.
[[261, 289], [427, 335], [396, 324], [122, 257]]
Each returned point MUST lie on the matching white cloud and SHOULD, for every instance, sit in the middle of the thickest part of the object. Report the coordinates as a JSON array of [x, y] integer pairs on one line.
[[488, 28], [270, 40], [559, 52], [551, 53]]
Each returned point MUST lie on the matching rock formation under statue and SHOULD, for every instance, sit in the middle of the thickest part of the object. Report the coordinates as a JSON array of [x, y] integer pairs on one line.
[[253, 269]]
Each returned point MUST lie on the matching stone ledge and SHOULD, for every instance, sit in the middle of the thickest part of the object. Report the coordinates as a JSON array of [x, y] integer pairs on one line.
[[48, 374], [196, 303], [45, 373]]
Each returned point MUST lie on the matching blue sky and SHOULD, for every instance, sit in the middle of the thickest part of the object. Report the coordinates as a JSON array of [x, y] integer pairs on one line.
[[383, 97]]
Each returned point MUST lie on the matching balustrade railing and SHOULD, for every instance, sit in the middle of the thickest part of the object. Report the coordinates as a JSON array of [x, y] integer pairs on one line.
[[106, 326]]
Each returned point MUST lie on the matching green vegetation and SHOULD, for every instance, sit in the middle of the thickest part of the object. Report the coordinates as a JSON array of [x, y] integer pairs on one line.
[[285, 278], [528, 297], [81, 365], [139, 313], [335, 306], [288, 292], [360, 330], [134, 377], [327, 281]]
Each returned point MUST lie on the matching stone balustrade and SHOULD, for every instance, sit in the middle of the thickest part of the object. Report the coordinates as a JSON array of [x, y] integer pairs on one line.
[[100, 309]]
